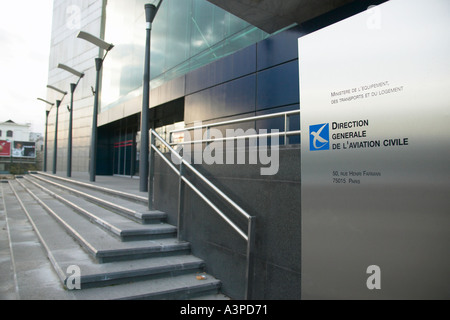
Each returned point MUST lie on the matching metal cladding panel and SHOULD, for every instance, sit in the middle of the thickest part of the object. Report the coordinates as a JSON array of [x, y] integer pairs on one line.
[[278, 86], [228, 99], [279, 48], [231, 67]]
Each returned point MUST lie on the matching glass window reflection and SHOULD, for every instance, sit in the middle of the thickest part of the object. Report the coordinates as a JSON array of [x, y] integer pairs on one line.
[[186, 35]]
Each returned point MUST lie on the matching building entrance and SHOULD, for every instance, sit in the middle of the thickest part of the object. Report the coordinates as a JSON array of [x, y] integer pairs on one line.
[[120, 142], [125, 151]]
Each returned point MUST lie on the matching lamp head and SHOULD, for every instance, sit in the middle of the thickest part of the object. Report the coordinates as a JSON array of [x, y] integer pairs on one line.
[[95, 40], [47, 102], [71, 70], [151, 9], [57, 90]]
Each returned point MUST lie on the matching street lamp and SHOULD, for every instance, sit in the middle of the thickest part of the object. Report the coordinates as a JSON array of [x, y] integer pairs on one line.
[[47, 112], [98, 66], [55, 144], [58, 90], [150, 13], [73, 86]]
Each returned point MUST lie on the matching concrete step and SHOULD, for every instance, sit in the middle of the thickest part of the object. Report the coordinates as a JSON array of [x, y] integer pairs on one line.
[[32, 272], [180, 287], [34, 234], [121, 205], [118, 225], [103, 246], [143, 200]]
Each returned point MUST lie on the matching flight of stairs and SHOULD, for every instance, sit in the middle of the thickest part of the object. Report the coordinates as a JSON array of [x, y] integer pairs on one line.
[[107, 241]]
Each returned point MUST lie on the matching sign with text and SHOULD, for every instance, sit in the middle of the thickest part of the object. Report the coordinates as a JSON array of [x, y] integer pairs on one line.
[[375, 118]]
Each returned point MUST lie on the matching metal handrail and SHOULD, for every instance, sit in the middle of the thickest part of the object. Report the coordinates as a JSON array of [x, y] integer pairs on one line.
[[174, 169], [249, 237], [286, 133], [259, 135], [262, 117]]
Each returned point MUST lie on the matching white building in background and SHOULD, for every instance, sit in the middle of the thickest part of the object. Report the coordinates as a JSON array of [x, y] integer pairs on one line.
[[19, 147], [9, 130]]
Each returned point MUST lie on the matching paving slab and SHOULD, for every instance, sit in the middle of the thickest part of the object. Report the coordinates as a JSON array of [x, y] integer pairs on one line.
[[35, 278]]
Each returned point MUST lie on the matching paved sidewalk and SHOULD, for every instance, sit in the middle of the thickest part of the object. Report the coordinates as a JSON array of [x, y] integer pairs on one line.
[[7, 281]]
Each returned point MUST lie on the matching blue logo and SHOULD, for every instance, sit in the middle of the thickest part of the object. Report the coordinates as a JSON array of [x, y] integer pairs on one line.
[[319, 137]]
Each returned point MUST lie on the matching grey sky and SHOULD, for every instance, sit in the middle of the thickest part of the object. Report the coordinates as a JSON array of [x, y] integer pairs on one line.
[[25, 30]]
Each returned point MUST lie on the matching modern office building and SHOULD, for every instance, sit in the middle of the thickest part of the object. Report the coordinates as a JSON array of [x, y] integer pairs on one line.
[[207, 64], [212, 61]]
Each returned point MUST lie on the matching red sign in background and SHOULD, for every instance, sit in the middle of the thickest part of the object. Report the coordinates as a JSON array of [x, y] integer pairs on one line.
[[5, 148]]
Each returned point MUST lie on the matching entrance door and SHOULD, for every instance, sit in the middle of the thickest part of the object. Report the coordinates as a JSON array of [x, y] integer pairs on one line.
[[124, 151]]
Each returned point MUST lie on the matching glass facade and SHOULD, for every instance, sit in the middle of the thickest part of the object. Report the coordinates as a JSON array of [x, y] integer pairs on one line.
[[186, 35]]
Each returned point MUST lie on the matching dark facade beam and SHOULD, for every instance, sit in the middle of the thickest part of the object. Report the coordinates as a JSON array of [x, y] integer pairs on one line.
[[273, 15]]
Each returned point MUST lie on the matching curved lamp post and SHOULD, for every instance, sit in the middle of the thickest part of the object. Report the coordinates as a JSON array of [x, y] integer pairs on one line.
[[73, 86], [55, 145], [150, 13], [98, 66], [47, 112]]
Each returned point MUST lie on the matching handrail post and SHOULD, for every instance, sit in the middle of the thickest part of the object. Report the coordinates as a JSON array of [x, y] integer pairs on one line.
[[208, 136], [181, 203], [250, 272], [151, 172], [286, 128]]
